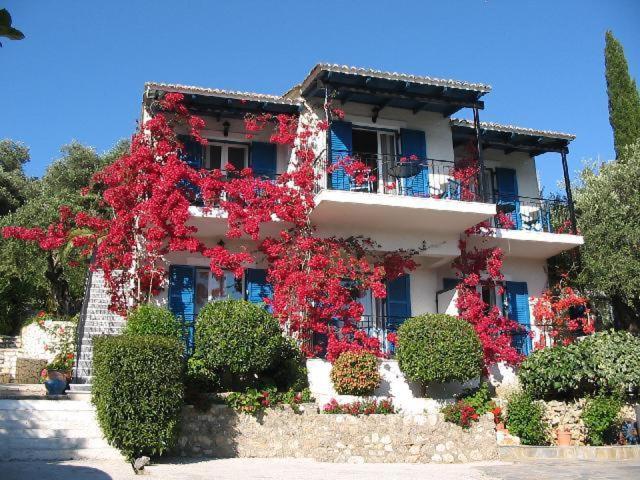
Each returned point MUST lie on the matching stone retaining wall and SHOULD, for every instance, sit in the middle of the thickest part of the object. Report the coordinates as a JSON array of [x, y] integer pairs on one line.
[[281, 433], [568, 414]]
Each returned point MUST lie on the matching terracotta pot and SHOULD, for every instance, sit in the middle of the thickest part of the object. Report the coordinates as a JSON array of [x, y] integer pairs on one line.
[[564, 437], [500, 426]]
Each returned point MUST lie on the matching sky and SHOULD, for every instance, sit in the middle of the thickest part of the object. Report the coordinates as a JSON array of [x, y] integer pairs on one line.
[[79, 74]]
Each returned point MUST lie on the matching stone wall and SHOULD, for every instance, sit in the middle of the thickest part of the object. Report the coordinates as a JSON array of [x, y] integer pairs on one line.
[[22, 358], [568, 414], [281, 433]]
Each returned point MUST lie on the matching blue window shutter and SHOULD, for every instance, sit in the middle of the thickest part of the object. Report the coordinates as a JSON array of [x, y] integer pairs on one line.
[[398, 300], [518, 302], [192, 155], [414, 142], [341, 146], [192, 151], [507, 184], [182, 299], [264, 159], [257, 286]]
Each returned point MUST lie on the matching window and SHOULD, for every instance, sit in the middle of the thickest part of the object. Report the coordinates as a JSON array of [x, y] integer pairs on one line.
[[375, 148], [219, 154], [209, 288]]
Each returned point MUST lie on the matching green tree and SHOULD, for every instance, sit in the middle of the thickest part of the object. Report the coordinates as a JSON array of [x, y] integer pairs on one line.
[[608, 205], [624, 100], [32, 279], [14, 184]]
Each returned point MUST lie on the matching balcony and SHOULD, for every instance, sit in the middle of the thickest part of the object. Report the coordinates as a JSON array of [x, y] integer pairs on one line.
[[407, 194], [531, 228]]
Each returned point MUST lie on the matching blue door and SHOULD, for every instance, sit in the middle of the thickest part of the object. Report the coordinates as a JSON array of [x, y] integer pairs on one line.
[[264, 159], [341, 145], [414, 142], [257, 286], [518, 310], [182, 300], [507, 184]]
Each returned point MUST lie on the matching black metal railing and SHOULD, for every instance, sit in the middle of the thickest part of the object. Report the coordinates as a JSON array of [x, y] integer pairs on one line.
[[394, 175], [375, 326], [532, 214]]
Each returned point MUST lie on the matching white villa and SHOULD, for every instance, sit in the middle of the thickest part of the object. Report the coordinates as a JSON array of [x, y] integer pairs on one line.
[[388, 116]]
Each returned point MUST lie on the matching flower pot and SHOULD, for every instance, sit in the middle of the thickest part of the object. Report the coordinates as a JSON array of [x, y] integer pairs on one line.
[[56, 386], [563, 438], [500, 426], [57, 375]]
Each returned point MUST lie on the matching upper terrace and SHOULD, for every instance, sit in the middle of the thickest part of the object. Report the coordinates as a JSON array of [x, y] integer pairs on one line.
[[399, 163]]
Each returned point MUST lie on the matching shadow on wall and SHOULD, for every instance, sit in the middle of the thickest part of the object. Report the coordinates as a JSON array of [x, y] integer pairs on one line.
[[49, 471], [215, 434]]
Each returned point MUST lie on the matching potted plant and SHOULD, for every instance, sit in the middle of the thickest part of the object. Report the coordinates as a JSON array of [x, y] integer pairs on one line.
[[563, 435], [58, 373]]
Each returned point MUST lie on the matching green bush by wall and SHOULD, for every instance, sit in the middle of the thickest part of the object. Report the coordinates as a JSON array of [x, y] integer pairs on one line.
[[138, 391], [600, 416], [149, 319], [439, 348], [237, 337], [605, 362], [525, 419], [355, 373]]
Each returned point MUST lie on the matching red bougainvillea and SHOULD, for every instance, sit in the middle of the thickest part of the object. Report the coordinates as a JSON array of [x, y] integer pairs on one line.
[[151, 190], [562, 314]]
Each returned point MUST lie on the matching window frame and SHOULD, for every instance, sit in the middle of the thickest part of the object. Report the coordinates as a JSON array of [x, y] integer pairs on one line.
[[224, 153]]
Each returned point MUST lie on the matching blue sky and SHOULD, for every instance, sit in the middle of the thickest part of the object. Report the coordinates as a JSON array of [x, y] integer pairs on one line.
[[79, 74]]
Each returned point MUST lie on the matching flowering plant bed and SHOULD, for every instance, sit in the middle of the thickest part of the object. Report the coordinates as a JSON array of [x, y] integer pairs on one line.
[[371, 407], [254, 401]]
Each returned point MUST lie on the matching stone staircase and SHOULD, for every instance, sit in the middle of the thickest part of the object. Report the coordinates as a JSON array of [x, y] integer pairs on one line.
[[96, 319], [9, 349], [51, 430]]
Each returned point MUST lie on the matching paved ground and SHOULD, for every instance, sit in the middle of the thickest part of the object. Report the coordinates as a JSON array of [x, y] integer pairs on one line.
[[310, 470]]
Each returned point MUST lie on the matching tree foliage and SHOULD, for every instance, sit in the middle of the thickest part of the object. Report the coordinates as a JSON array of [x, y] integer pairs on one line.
[[30, 278], [624, 100], [608, 204]]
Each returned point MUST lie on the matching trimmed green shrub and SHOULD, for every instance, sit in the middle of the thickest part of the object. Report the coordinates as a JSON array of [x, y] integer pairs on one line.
[[525, 419], [138, 393], [237, 337], [439, 348], [613, 361], [605, 362], [600, 417], [355, 373], [289, 370], [556, 372], [149, 319]]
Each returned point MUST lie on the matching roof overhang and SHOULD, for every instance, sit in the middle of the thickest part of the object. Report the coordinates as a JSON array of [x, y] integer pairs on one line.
[[222, 103], [510, 138], [386, 89]]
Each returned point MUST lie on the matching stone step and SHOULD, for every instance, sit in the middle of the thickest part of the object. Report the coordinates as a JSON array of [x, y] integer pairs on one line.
[[60, 423], [44, 406], [41, 419], [107, 453], [88, 432]]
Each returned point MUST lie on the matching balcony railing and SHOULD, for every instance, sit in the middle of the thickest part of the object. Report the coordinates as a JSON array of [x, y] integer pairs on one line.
[[394, 175], [376, 326], [532, 214]]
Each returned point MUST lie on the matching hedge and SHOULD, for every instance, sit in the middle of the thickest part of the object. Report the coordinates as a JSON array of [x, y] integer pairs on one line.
[[439, 348], [153, 320], [605, 362], [138, 392]]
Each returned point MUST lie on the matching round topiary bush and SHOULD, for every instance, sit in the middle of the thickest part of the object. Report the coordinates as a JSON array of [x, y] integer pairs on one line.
[[237, 337], [355, 373], [138, 393], [439, 348], [153, 320]]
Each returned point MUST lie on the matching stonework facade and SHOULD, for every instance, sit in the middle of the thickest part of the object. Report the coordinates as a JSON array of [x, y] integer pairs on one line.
[[281, 433]]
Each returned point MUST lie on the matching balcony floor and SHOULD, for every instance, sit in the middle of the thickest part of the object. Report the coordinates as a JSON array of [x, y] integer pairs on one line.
[[528, 244], [397, 213]]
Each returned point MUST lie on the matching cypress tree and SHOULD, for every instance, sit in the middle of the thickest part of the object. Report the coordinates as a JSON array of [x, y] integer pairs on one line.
[[624, 100]]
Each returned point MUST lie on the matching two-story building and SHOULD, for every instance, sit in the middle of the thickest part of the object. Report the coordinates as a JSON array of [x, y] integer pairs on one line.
[[411, 205]]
